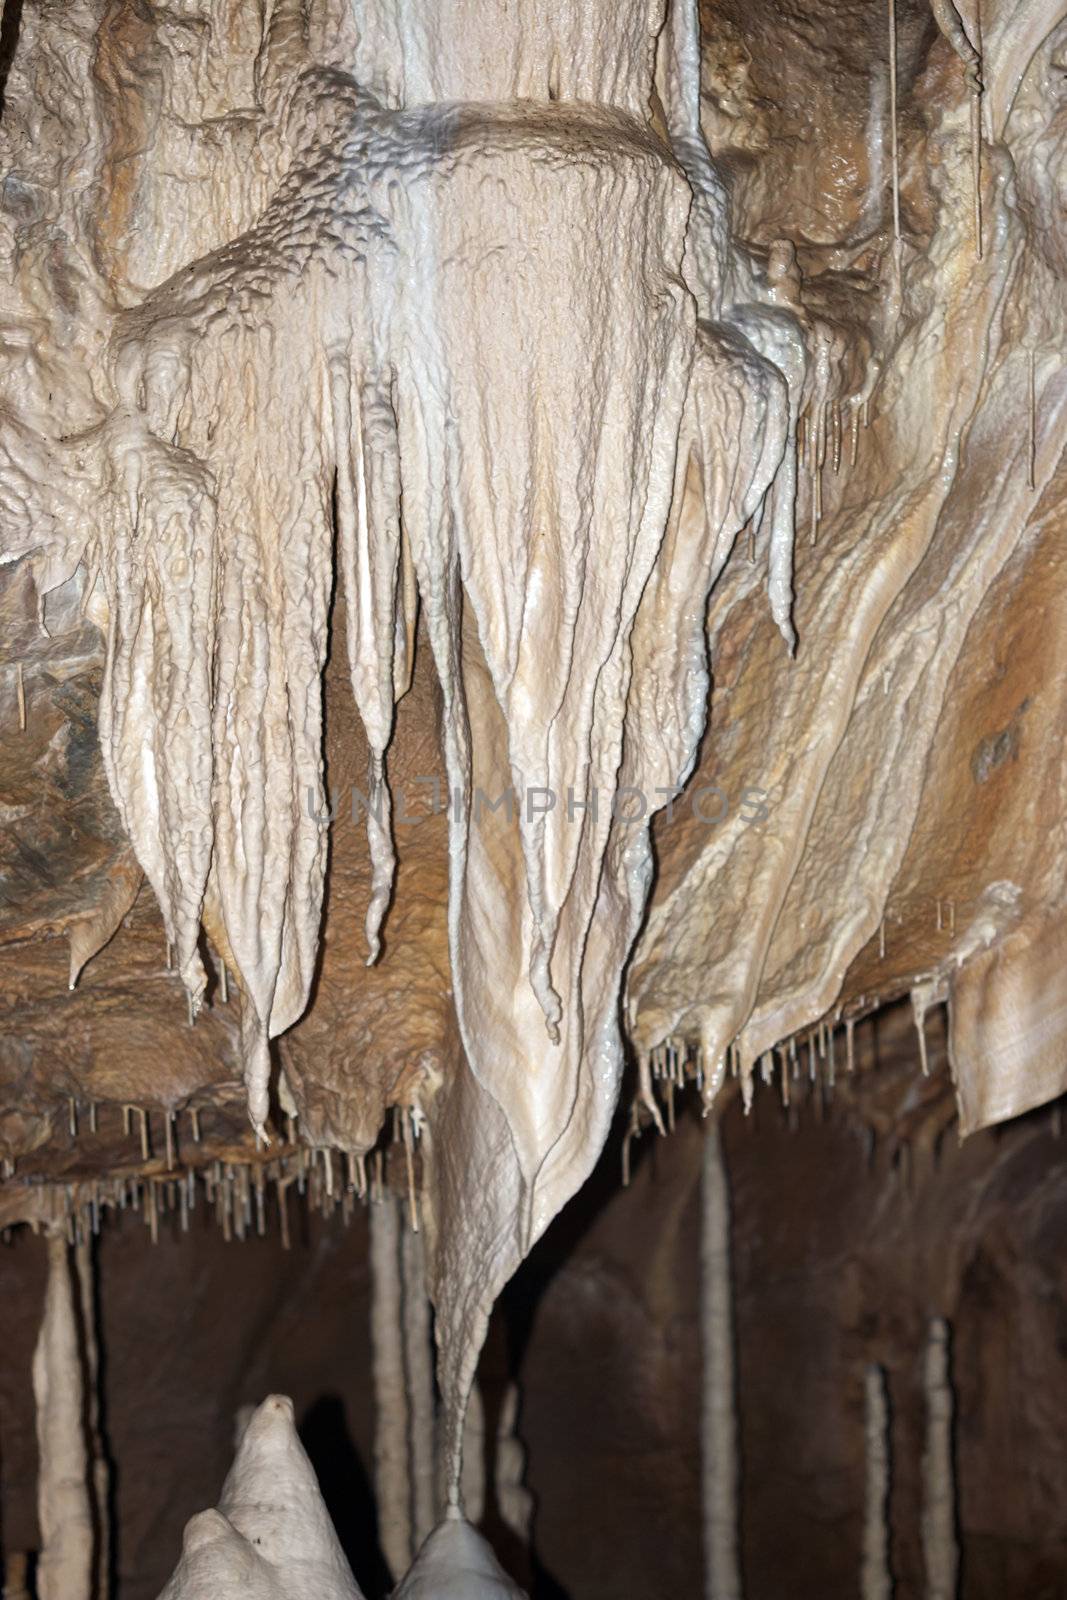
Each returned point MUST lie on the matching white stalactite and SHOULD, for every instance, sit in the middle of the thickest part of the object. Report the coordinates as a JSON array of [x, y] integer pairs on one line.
[[722, 1580], [940, 1550], [876, 1582], [481, 288], [894, 132], [64, 1509]]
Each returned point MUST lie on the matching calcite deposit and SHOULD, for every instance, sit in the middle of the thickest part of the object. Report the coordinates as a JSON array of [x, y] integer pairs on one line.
[[530, 562]]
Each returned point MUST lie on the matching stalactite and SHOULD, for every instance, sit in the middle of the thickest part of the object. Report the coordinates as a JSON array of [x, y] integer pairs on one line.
[[894, 132], [1031, 420], [64, 1509], [296, 361], [940, 1550], [391, 1409], [719, 1419], [876, 1582]]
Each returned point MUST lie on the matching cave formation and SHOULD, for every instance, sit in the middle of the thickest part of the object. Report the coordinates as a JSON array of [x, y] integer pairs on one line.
[[534, 1020]]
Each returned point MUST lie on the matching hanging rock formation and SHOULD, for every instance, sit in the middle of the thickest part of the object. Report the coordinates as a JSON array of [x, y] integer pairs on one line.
[[412, 398]]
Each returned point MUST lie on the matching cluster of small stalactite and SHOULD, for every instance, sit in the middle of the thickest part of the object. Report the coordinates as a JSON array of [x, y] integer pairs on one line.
[[811, 1057], [244, 1198]]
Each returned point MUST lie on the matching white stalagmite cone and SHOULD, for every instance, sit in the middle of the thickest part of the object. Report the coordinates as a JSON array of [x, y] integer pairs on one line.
[[875, 1581], [722, 1577], [99, 1473], [456, 1563], [271, 1537], [418, 1362], [390, 1389], [64, 1510], [940, 1551]]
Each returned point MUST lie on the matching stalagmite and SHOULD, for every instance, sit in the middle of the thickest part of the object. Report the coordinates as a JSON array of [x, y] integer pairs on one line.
[[271, 1537], [455, 1563], [99, 1473], [64, 1508], [419, 1385], [391, 1420], [940, 1549], [876, 1582], [719, 1418]]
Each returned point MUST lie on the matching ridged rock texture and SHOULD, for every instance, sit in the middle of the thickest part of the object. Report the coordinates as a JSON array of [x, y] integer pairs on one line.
[[567, 509]]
